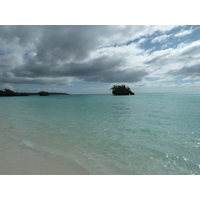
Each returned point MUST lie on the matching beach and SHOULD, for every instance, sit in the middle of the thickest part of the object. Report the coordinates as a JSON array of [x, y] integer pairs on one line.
[[16, 159]]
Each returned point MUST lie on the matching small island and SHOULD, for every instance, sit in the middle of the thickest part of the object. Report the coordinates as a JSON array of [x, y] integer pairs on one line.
[[121, 90], [10, 93], [43, 93]]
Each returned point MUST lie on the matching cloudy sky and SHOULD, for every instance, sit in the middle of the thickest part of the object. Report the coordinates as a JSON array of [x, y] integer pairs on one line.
[[90, 59]]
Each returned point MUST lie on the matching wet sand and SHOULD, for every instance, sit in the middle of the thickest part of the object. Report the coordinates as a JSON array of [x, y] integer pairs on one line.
[[19, 160]]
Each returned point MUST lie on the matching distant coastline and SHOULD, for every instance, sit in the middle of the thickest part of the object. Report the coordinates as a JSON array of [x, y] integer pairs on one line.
[[50, 93], [10, 93]]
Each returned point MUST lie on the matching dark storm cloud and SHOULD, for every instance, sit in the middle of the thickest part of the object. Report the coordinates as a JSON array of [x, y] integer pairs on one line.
[[23, 34], [191, 71], [106, 70], [76, 42], [39, 54], [64, 43], [103, 69]]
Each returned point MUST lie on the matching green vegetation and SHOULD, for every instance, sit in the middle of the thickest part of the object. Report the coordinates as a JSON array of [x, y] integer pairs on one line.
[[8, 93], [43, 93], [121, 90]]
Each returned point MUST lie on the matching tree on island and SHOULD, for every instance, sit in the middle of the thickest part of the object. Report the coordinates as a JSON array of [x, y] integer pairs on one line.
[[121, 90], [43, 93]]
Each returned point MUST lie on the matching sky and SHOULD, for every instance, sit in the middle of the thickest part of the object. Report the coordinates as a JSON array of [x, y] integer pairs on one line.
[[90, 59]]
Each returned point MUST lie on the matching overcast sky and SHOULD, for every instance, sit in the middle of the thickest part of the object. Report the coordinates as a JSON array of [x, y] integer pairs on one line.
[[90, 59]]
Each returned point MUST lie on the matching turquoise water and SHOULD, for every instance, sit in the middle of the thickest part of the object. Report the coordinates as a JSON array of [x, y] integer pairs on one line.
[[141, 134]]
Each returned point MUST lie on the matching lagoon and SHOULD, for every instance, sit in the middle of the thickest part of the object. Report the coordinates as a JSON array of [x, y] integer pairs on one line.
[[101, 134]]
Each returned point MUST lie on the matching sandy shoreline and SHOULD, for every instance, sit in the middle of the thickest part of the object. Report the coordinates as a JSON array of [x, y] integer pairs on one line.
[[19, 160]]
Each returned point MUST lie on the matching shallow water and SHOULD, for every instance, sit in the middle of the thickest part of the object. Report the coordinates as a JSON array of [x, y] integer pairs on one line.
[[140, 134]]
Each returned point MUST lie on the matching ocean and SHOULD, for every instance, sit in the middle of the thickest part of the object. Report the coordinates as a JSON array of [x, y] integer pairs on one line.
[[143, 134]]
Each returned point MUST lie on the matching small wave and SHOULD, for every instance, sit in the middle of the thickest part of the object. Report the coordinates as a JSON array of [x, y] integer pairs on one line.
[[27, 144]]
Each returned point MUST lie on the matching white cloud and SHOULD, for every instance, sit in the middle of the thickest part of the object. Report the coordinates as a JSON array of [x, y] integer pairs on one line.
[[183, 33], [142, 40], [161, 38]]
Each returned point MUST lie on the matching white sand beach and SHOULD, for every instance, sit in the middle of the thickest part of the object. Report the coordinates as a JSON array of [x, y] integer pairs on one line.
[[19, 160]]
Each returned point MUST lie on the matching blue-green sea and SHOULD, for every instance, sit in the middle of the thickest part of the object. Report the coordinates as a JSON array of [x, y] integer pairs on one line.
[[141, 134]]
